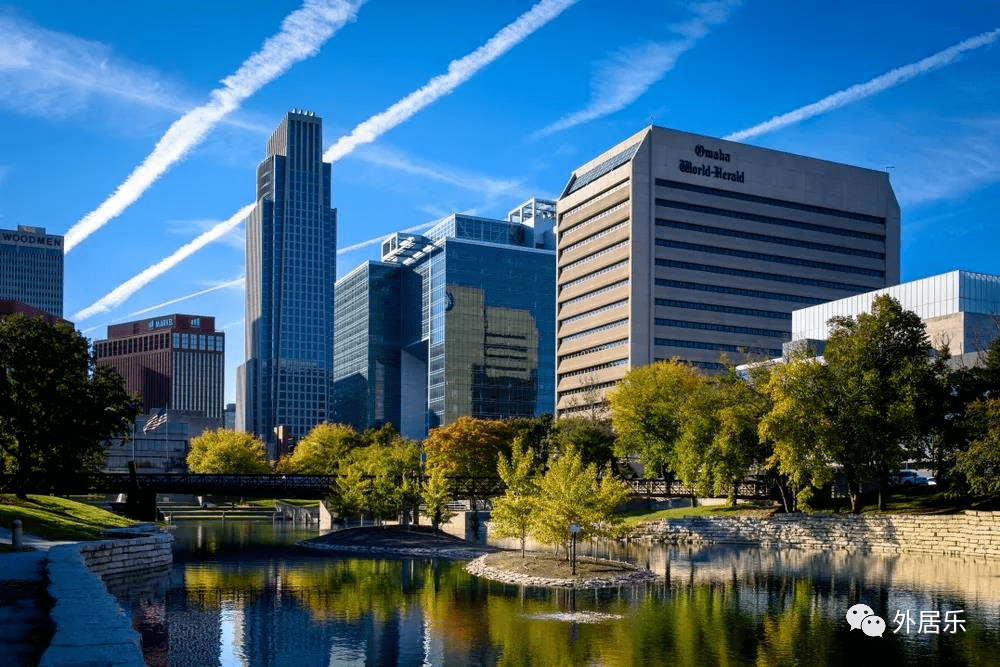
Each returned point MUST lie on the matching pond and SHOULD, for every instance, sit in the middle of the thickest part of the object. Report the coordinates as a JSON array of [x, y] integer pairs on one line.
[[238, 596]]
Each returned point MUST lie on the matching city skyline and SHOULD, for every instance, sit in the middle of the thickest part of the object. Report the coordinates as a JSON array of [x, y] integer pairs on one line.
[[100, 97]]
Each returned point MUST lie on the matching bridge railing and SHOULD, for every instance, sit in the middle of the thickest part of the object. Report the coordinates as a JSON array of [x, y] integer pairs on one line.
[[308, 486]]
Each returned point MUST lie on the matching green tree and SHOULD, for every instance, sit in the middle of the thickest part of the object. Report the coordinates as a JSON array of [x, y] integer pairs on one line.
[[719, 444], [594, 440], [646, 412], [570, 492], [57, 410], [380, 482], [436, 497], [886, 384], [980, 463], [228, 452], [796, 426], [513, 513], [321, 451]]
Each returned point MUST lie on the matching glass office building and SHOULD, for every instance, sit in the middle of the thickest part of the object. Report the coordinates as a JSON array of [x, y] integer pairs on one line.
[[31, 268], [472, 332], [284, 388]]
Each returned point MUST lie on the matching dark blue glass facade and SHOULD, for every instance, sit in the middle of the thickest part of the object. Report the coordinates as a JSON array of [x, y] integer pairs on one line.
[[475, 327], [291, 268]]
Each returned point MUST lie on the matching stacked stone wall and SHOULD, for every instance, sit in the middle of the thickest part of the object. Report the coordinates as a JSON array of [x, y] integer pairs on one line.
[[128, 556], [975, 534], [90, 626]]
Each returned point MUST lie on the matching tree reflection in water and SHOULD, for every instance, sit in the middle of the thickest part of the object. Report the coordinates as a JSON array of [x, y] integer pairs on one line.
[[714, 606]]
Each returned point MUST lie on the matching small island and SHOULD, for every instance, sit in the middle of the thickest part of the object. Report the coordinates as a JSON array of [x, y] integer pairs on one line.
[[412, 541], [551, 571]]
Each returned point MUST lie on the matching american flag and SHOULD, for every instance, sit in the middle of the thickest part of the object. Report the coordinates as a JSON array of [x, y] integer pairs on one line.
[[156, 421]]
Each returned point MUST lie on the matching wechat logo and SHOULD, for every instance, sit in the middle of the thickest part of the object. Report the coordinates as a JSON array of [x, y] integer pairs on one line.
[[861, 616]]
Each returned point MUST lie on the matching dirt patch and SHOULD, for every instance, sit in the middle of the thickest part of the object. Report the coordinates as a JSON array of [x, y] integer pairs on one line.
[[550, 571], [416, 541], [537, 564]]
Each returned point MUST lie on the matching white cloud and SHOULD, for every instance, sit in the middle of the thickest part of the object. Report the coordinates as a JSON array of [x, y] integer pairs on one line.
[[459, 71], [862, 90], [302, 34], [623, 77]]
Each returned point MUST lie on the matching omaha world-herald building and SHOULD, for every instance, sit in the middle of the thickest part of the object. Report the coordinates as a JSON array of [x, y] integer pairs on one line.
[[672, 244]]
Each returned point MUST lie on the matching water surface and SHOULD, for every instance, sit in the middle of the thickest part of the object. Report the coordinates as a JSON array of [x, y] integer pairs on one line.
[[237, 596]]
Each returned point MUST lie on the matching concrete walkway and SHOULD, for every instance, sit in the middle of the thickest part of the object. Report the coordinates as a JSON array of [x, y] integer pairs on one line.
[[48, 597]]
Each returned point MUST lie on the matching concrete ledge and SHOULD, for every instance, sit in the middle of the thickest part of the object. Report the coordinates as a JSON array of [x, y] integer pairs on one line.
[[90, 627]]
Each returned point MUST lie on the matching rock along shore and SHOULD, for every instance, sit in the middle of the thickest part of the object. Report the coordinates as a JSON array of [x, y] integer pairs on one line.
[[626, 575]]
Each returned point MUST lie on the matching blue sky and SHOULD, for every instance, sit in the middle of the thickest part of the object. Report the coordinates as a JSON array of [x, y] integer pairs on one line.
[[170, 105]]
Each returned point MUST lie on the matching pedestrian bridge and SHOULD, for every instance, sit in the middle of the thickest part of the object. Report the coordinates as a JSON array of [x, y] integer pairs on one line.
[[308, 486]]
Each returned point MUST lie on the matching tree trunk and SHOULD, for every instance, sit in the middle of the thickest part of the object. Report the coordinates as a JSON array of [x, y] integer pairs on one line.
[[854, 494]]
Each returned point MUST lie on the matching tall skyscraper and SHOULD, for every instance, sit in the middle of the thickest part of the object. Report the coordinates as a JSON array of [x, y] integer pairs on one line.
[[31, 268], [285, 385], [456, 322], [677, 245]]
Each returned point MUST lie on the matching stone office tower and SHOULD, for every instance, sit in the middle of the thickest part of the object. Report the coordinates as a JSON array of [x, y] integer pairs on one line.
[[290, 274], [672, 244]]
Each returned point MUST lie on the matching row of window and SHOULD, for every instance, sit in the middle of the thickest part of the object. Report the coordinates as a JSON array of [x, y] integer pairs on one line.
[[725, 328], [779, 240], [596, 292], [590, 388], [762, 275], [765, 257], [738, 291], [590, 239], [757, 199], [595, 256], [596, 311], [593, 330], [751, 312], [595, 348], [594, 369], [596, 198], [593, 274], [593, 219], [720, 347]]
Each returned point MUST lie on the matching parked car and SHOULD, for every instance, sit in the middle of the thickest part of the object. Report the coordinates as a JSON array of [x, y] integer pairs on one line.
[[905, 478]]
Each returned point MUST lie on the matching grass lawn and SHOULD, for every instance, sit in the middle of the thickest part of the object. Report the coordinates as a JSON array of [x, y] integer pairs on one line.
[[58, 518], [638, 516]]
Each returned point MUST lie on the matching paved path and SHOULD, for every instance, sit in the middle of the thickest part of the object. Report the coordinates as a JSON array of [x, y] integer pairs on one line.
[[93, 630]]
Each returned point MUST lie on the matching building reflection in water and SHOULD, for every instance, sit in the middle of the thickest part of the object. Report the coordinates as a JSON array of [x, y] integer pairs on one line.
[[711, 605]]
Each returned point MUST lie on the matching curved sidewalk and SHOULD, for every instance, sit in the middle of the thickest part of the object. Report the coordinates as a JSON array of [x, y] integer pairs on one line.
[[90, 627]]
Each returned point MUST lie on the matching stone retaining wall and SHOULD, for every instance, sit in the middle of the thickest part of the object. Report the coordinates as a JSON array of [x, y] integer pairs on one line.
[[128, 554], [970, 534], [90, 627]]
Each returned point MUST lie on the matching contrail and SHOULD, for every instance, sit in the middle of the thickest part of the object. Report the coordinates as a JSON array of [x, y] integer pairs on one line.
[[623, 78], [207, 290], [459, 71], [302, 34], [873, 87], [118, 295]]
